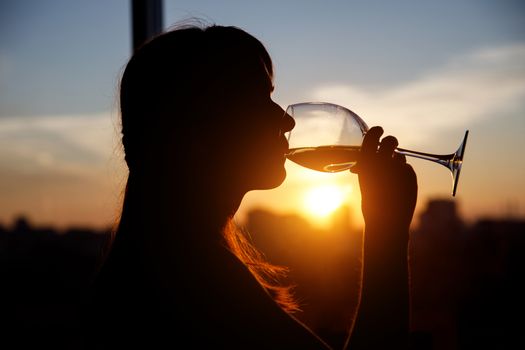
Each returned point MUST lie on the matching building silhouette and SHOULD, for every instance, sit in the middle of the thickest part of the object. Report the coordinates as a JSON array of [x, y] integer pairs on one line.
[[466, 280]]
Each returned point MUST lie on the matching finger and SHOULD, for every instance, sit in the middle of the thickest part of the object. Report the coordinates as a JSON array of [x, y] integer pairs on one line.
[[371, 140], [368, 148], [387, 147]]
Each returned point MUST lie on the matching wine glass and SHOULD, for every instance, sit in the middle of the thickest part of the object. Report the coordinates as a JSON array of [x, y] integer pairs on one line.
[[328, 137]]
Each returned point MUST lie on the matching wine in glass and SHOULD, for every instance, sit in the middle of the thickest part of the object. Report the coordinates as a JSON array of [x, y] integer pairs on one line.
[[328, 137]]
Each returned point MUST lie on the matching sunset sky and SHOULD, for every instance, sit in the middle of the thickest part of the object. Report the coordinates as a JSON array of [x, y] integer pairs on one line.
[[424, 70]]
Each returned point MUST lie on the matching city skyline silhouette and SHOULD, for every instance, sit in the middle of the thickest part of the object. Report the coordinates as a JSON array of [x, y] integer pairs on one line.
[[465, 278]]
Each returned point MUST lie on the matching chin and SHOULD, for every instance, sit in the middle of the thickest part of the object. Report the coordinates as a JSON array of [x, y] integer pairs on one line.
[[268, 180], [275, 180]]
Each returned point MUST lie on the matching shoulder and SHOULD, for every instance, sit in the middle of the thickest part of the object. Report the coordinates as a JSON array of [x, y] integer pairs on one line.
[[212, 300], [247, 313]]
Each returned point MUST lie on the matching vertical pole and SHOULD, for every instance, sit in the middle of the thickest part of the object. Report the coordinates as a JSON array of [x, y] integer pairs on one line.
[[146, 20]]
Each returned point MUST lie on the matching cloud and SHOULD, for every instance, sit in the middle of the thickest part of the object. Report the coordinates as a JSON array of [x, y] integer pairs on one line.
[[80, 145], [61, 169], [483, 84]]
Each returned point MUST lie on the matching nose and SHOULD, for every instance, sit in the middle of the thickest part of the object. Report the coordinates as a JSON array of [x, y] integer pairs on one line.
[[287, 123]]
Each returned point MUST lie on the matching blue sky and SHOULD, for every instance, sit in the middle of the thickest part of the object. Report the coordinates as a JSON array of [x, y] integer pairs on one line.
[[425, 70], [62, 56]]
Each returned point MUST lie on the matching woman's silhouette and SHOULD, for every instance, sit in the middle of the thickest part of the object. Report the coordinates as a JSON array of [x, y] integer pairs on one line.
[[200, 130]]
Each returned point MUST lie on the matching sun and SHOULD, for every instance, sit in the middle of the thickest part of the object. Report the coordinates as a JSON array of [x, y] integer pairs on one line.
[[323, 200]]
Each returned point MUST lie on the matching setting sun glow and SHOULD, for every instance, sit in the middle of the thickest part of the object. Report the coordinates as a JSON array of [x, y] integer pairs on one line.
[[322, 200]]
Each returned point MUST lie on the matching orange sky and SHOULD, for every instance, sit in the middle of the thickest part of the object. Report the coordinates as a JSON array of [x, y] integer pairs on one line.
[[425, 84]]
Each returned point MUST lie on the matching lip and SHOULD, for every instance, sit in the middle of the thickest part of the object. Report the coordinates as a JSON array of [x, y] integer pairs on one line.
[[285, 146]]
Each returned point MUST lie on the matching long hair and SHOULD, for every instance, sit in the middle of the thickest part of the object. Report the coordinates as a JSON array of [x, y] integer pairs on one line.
[[182, 66], [269, 275]]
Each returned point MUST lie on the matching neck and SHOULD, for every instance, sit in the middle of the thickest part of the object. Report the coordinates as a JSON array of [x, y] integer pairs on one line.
[[195, 211]]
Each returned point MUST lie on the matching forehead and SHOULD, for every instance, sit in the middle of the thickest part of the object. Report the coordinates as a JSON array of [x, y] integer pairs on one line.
[[248, 79]]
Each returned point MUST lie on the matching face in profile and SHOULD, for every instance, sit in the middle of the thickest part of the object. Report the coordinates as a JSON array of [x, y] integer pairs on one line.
[[255, 135], [208, 110]]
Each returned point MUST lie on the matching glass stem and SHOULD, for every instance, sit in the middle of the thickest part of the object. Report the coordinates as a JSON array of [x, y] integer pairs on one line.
[[443, 159]]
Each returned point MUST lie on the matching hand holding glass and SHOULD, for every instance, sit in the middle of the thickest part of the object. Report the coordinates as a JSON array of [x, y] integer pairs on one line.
[[328, 137]]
